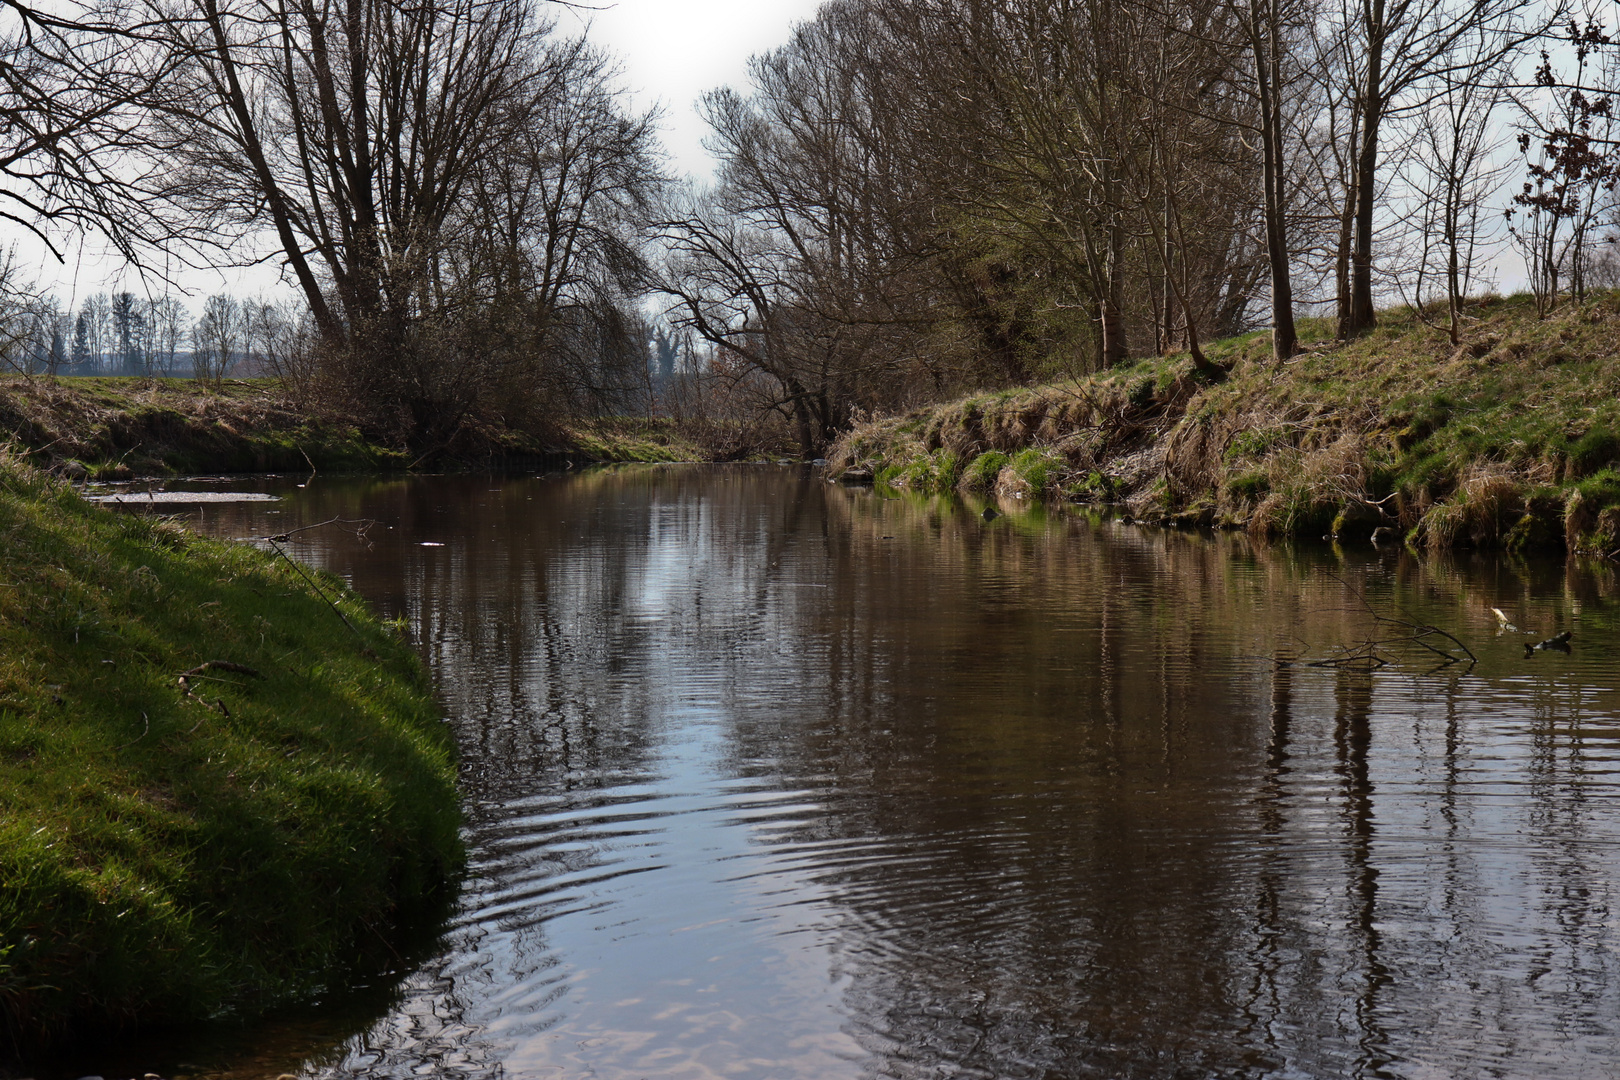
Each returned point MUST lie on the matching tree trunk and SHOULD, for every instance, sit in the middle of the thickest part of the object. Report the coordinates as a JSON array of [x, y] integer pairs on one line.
[[802, 419], [242, 111], [1362, 317], [1453, 258], [1114, 347], [1266, 44], [1347, 218]]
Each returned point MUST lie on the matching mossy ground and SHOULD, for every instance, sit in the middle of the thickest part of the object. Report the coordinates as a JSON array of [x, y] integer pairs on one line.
[[1511, 438], [167, 856]]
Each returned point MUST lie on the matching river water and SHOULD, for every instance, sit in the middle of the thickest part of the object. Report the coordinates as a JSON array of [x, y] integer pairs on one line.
[[770, 778]]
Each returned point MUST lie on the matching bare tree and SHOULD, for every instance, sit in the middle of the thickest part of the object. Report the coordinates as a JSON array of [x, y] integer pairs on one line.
[[1572, 152], [554, 234], [802, 265], [1188, 176], [72, 77], [27, 321], [1451, 178], [1399, 55], [385, 144], [1268, 32], [168, 327], [279, 339], [95, 316], [129, 333], [217, 338]]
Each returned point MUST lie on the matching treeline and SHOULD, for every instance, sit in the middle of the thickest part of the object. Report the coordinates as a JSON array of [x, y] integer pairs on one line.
[[456, 191], [922, 196], [915, 197], [124, 333]]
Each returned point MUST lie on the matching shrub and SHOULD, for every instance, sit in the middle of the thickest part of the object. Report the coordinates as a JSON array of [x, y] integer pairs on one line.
[[983, 471]]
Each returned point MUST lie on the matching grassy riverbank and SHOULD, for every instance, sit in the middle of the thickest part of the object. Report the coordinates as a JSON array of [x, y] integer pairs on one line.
[[1511, 439], [114, 428], [173, 850]]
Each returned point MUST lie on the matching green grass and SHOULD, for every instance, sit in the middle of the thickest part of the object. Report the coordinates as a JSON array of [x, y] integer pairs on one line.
[[167, 856], [984, 470], [631, 439]]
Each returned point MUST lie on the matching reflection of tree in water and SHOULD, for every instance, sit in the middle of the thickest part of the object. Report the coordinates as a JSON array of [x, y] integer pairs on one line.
[[1067, 827], [1352, 736], [1026, 903]]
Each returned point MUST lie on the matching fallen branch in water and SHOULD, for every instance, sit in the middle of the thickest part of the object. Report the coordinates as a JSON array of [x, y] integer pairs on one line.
[[1362, 657], [1365, 656], [364, 524], [1418, 632]]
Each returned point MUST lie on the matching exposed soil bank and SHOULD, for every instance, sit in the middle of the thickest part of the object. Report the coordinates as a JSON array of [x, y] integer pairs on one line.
[[216, 794], [1511, 439], [114, 428]]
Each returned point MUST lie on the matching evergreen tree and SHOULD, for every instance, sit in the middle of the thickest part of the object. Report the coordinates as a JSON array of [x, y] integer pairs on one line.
[[81, 344]]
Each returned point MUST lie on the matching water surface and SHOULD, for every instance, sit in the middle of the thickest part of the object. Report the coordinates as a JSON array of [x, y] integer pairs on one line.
[[765, 777]]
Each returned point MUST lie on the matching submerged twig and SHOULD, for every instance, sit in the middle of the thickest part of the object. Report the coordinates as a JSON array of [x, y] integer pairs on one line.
[[1363, 657], [282, 537]]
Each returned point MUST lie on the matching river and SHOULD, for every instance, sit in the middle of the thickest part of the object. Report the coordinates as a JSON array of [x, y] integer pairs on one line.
[[770, 778]]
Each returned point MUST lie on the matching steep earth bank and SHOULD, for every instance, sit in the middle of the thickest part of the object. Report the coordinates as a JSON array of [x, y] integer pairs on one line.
[[115, 428], [1510, 439]]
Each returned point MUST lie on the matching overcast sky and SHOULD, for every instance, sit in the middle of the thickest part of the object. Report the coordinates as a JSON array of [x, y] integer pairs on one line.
[[671, 52]]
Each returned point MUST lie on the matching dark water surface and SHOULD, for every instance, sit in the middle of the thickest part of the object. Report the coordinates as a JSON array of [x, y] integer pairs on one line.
[[769, 778]]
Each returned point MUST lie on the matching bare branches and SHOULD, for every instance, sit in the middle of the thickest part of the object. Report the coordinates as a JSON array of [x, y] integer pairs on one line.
[[72, 81]]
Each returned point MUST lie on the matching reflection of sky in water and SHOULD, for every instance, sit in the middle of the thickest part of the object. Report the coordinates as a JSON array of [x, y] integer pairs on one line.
[[734, 989], [767, 779]]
